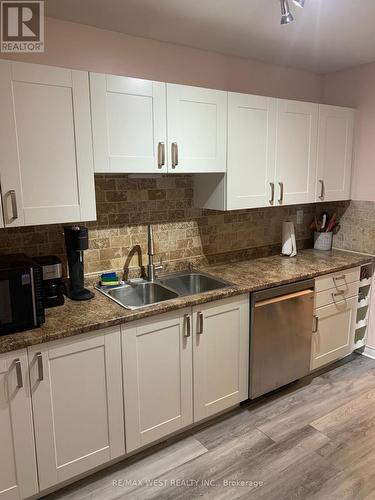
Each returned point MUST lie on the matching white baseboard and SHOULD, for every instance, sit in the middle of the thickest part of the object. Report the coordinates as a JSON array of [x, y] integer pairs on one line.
[[369, 352]]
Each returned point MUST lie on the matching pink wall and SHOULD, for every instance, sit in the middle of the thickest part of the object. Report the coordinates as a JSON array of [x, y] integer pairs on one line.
[[356, 88], [83, 47]]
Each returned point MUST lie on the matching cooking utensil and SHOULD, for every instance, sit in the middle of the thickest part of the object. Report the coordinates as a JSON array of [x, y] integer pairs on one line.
[[331, 223]]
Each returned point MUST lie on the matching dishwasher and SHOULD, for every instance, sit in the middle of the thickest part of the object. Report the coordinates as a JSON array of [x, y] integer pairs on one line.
[[280, 336]]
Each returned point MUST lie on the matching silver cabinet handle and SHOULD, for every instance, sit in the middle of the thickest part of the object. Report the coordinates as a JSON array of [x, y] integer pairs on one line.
[[322, 190], [13, 198], [272, 184], [161, 154], [39, 358], [17, 364], [174, 154], [281, 184], [200, 323], [187, 325], [337, 278], [316, 326], [340, 293]]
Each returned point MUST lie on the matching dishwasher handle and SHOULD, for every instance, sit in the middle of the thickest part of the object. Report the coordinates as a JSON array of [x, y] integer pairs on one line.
[[282, 298]]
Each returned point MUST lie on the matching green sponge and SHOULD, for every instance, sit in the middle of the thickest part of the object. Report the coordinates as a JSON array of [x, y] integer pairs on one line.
[[109, 279]]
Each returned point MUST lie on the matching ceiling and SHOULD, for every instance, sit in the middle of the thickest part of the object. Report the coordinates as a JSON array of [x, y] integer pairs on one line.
[[327, 35]]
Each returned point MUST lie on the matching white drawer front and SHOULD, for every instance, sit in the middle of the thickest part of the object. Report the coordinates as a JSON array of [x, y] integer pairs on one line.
[[337, 280], [339, 293], [334, 335]]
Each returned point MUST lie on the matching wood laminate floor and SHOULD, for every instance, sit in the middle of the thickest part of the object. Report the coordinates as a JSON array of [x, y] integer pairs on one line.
[[314, 439]]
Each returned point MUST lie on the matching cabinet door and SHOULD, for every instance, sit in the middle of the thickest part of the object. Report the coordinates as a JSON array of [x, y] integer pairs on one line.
[[297, 129], [157, 365], [197, 129], [335, 151], [221, 355], [129, 124], [18, 476], [334, 335], [1, 214], [251, 151], [77, 399], [46, 164]]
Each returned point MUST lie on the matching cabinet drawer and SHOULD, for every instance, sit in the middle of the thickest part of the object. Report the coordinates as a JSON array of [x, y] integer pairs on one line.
[[344, 291], [334, 333], [337, 280]]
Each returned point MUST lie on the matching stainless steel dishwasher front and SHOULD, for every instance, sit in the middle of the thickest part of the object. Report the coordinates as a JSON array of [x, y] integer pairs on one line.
[[280, 336]]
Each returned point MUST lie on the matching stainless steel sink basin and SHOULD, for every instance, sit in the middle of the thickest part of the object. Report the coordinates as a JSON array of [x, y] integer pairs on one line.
[[134, 296], [138, 294], [192, 283]]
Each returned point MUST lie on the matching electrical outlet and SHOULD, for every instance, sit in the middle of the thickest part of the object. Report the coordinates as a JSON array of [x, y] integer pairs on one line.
[[299, 216]]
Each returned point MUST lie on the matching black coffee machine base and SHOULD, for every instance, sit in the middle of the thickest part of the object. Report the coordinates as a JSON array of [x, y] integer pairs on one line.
[[82, 294], [76, 240]]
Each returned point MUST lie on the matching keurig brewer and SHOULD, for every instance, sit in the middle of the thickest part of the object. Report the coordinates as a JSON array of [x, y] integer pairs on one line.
[[52, 283], [76, 240]]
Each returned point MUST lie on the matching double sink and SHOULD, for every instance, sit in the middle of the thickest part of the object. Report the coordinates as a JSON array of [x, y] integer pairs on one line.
[[139, 293]]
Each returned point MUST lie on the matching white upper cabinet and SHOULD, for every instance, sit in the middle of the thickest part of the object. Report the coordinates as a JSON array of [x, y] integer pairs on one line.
[[251, 151], [141, 126], [129, 124], [197, 129], [335, 151], [250, 178], [296, 148], [46, 163], [77, 401], [18, 472]]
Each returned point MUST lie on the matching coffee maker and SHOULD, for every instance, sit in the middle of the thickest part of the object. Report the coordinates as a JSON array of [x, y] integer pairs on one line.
[[76, 240], [52, 282]]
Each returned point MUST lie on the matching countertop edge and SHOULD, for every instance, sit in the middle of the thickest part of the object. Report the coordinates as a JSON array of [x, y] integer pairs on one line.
[[26, 339]]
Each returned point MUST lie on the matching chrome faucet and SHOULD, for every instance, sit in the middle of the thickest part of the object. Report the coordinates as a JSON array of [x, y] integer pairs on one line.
[[151, 267]]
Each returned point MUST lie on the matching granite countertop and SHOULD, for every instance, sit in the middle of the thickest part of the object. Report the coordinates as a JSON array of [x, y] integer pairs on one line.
[[247, 276]]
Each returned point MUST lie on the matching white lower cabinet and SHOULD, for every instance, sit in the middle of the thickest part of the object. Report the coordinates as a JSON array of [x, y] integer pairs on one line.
[[220, 355], [157, 367], [76, 387], [334, 335], [62, 403], [190, 359], [18, 474]]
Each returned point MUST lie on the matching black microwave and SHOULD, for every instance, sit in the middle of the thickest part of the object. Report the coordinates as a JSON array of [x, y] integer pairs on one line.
[[21, 294]]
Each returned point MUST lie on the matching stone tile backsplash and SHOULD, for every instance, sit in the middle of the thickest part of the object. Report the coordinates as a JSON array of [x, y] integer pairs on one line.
[[182, 233], [357, 227]]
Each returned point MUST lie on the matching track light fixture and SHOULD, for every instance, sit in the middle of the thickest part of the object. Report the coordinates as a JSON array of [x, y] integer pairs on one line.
[[286, 15]]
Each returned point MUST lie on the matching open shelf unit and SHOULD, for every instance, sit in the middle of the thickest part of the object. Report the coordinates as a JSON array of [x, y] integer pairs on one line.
[[363, 308]]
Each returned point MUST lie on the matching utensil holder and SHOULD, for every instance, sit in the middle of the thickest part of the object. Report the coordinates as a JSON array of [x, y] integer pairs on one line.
[[323, 241]]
